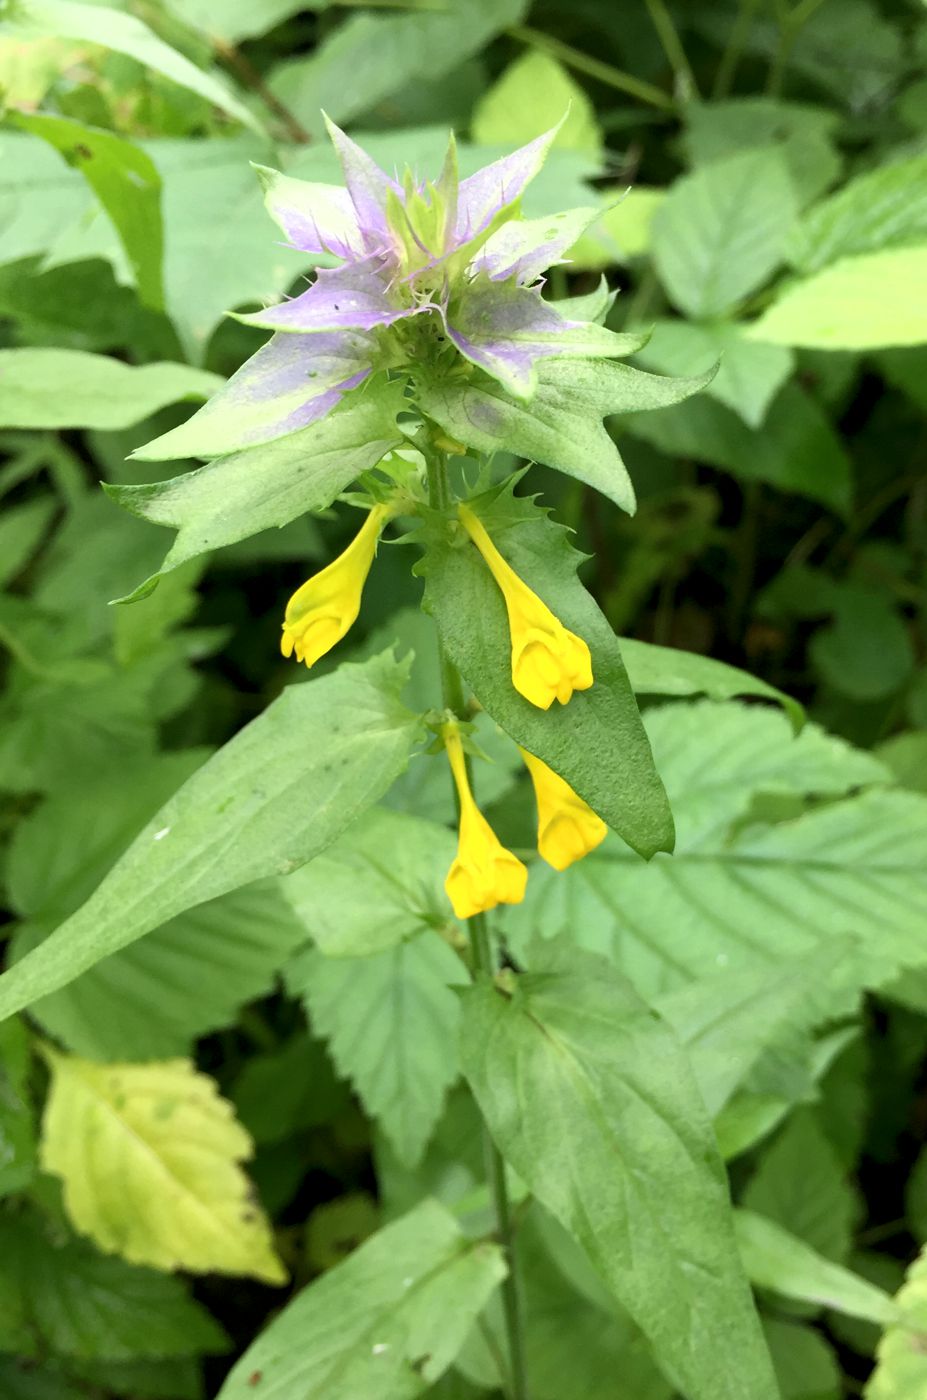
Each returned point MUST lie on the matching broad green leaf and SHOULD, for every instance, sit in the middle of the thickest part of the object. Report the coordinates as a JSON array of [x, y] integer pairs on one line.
[[283, 1091], [866, 652], [561, 425], [17, 1123], [370, 56], [901, 1358], [623, 231], [800, 1184], [885, 208], [856, 303], [236, 496], [127, 184], [90, 391], [591, 1100], [150, 1157], [264, 804], [806, 1365], [387, 1322], [21, 531], [390, 1020], [378, 885], [802, 134], [655, 670], [114, 29], [749, 374], [528, 98], [21, 1381], [721, 231], [93, 1307], [596, 742], [234, 20], [797, 450], [775, 1258], [41, 199]]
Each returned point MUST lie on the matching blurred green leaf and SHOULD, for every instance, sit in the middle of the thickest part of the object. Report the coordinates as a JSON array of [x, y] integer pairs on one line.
[[803, 135], [528, 98], [801, 1185], [806, 1366], [901, 1358], [90, 391], [885, 208], [866, 652], [749, 376], [656, 670]]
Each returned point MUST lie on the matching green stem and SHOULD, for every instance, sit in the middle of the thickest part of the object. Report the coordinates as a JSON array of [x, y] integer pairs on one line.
[[672, 47], [484, 965], [734, 48], [593, 67]]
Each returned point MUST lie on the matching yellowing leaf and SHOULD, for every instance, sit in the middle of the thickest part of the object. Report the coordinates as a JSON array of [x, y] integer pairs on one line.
[[149, 1156]]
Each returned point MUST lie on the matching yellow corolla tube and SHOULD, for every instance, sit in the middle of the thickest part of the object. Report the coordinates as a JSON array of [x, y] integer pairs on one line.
[[326, 606], [548, 661], [568, 829], [484, 873]]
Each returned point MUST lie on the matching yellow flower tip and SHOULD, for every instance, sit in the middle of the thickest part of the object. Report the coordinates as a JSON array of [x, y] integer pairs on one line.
[[549, 662], [483, 874], [568, 828], [324, 609]]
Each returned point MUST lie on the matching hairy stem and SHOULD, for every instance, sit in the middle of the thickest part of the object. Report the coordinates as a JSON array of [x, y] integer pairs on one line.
[[484, 965]]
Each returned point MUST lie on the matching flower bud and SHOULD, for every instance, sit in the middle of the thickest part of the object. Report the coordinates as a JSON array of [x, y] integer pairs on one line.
[[320, 612], [484, 873], [568, 829]]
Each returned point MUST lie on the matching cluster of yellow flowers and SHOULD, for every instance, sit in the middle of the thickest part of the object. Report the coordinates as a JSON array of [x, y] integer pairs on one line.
[[548, 663]]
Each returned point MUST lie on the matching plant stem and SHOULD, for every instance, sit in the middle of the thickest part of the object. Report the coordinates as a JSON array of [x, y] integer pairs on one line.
[[484, 965], [672, 47], [594, 67], [734, 48]]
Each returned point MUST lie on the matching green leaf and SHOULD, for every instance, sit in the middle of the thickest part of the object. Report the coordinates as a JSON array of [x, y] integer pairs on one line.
[[774, 1258], [901, 1358], [177, 1378], [17, 1126], [391, 1020], [806, 1365], [21, 531], [721, 231], [234, 20], [21, 1381], [41, 200], [96, 24], [591, 1100], [885, 208], [528, 98], [162, 1131], [283, 1091], [800, 1185], [378, 885], [866, 652], [749, 375], [91, 391], [798, 449], [802, 134], [856, 303], [93, 1307], [597, 741], [655, 670], [387, 1322], [125, 181], [239, 495], [264, 804], [561, 424]]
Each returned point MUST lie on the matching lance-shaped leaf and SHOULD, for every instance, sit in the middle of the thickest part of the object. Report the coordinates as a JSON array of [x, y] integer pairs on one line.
[[591, 1099], [597, 741], [280, 791], [561, 425], [237, 496], [386, 1323]]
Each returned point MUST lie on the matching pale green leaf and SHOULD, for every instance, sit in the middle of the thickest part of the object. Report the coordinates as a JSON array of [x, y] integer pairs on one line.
[[596, 742], [529, 97], [127, 184], [884, 208], [41, 200], [264, 804], [802, 134], [721, 231], [114, 29], [561, 424], [379, 884], [390, 1020], [90, 391], [656, 670], [386, 1323], [150, 1157], [901, 1358], [591, 1100], [800, 1185], [234, 20], [261, 487], [856, 303], [750, 374]]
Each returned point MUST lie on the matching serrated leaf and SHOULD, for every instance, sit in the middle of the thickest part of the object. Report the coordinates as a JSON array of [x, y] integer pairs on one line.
[[721, 231], [856, 303], [264, 804], [591, 1100], [93, 1307], [91, 391], [387, 1322], [884, 208], [260, 487], [390, 1020], [597, 741], [656, 670], [901, 1358], [561, 424], [173, 1145], [379, 884]]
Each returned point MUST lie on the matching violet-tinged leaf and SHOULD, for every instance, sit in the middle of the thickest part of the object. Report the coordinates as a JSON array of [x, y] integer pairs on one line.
[[483, 195], [353, 297], [523, 249], [316, 218], [292, 381], [368, 187]]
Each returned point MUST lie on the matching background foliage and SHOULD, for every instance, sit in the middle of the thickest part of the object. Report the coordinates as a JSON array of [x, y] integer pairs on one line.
[[308, 1022]]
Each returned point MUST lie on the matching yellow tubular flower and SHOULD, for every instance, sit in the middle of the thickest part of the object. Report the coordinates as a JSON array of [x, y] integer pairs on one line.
[[320, 612], [548, 661], [568, 829], [485, 873]]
